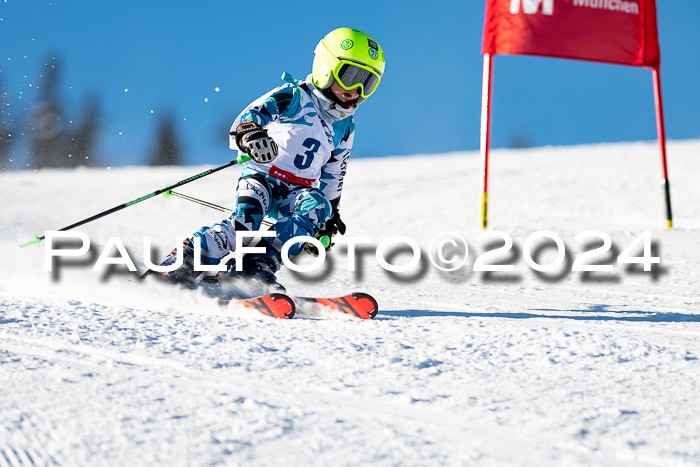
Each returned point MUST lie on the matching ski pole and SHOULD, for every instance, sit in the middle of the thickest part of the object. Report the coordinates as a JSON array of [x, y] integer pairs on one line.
[[324, 239], [170, 193], [243, 158], [266, 222]]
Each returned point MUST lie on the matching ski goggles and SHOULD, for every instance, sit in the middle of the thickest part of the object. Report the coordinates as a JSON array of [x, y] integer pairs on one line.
[[351, 75]]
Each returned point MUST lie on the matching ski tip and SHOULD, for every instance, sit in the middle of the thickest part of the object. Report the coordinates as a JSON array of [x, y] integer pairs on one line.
[[375, 306], [357, 304], [35, 241], [289, 314]]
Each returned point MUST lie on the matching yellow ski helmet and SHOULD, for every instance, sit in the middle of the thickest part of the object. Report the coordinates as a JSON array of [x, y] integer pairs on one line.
[[351, 58]]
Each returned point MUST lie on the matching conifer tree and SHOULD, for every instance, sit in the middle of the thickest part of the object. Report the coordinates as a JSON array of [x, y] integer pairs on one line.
[[82, 141], [167, 149], [6, 130], [47, 132]]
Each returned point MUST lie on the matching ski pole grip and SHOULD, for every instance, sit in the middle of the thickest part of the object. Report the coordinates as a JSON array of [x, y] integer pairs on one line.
[[242, 158]]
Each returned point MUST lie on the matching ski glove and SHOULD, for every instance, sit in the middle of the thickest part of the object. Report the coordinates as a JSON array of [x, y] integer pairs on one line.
[[332, 226], [254, 141]]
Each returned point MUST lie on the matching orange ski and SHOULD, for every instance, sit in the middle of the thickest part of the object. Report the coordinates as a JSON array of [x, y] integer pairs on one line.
[[276, 305], [357, 304]]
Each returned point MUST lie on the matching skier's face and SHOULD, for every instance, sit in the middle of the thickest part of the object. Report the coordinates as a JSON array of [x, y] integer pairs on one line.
[[344, 95]]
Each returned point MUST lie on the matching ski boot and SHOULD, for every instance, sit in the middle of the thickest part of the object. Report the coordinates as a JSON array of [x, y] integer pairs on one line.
[[185, 275], [260, 269], [257, 278]]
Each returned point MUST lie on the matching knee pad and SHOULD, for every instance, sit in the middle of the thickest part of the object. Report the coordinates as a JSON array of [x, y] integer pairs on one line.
[[313, 206]]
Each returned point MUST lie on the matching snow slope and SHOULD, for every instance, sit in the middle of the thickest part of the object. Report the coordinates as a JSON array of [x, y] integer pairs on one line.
[[462, 368]]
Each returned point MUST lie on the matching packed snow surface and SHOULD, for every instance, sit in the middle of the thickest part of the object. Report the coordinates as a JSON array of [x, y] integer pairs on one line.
[[459, 368]]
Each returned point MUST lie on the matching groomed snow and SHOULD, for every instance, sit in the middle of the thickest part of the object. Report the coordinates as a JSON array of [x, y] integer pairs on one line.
[[457, 369]]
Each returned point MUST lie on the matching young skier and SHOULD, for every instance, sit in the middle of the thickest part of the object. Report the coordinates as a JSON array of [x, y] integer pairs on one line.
[[299, 137]]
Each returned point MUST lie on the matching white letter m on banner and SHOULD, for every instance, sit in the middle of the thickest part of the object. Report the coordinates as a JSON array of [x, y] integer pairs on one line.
[[531, 6]]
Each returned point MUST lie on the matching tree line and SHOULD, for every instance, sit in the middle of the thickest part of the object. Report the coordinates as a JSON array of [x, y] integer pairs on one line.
[[52, 139]]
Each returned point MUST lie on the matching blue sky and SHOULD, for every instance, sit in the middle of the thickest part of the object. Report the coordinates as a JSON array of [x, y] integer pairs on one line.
[[173, 55]]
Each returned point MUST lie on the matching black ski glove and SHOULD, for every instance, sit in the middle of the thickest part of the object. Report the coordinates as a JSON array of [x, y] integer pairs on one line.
[[254, 141], [332, 226]]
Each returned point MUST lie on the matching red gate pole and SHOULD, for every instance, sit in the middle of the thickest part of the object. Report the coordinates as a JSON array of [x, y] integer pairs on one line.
[[661, 130], [485, 140]]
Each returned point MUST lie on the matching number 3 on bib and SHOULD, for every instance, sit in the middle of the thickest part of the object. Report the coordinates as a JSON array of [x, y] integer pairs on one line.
[[303, 161]]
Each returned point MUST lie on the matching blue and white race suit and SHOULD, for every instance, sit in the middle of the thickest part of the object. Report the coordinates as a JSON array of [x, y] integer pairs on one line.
[[301, 188]]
